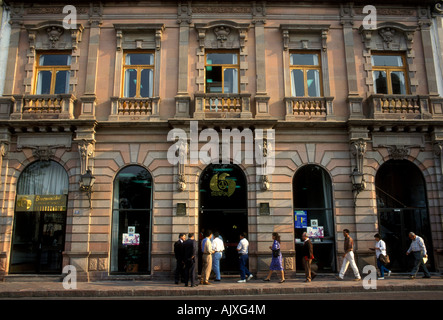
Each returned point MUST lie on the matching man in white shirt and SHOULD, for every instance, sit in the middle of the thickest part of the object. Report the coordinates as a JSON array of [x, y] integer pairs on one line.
[[218, 248], [418, 249], [380, 249], [242, 249]]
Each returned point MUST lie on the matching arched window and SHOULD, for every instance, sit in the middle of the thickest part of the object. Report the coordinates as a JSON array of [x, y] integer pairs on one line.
[[43, 178], [313, 212], [131, 221], [40, 219]]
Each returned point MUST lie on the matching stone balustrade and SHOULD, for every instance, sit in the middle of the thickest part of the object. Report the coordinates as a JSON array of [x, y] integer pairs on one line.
[[308, 107], [43, 106], [222, 105], [384, 106], [134, 108]]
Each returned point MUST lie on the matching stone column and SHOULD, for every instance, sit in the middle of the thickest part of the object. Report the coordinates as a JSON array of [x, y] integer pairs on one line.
[[425, 22], [261, 98], [88, 100], [12, 56], [354, 100], [182, 99]]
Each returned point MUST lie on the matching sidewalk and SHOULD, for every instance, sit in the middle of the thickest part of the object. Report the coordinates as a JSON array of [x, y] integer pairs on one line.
[[228, 286]]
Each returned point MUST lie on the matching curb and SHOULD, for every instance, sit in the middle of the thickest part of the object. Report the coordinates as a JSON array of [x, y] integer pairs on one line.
[[107, 290]]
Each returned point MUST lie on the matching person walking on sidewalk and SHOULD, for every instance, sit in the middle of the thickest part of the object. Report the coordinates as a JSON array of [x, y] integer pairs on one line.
[[190, 248], [418, 249], [307, 254], [207, 257], [380, 251], [348, 258], [243, 251], [180, 263], [218, 247], [277, 259]]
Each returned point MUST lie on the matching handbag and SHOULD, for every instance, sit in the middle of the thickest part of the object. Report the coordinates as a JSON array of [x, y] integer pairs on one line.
[[276, 253], [384, 259]]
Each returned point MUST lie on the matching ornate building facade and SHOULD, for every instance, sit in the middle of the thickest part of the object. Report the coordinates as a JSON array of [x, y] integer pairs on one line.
[[350, 99]]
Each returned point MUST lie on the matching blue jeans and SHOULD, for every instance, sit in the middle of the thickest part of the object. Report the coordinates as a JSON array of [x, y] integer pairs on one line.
[[243, 259], [382, 268], [418, 261], [216, 264]]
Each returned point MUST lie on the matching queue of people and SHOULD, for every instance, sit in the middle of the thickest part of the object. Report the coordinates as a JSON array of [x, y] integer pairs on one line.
[[212, 250]]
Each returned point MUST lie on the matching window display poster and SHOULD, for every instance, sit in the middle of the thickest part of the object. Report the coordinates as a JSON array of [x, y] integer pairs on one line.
[[315, 232], [131, 239], [300, 219]]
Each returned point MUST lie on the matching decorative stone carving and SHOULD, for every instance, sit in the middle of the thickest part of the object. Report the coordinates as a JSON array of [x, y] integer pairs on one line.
[[265, 183], [438, 8], [86, 150], [3, 149], [54, 34], [44, 153], [387, 34], [358, 150], [183, 153], [225, 34], [398, 152], [222, 33]]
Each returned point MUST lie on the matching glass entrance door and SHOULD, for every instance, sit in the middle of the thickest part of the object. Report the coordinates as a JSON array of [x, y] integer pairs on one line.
[[223, 208], [402, 208], [229, 223], [38, 242], [395, 225]]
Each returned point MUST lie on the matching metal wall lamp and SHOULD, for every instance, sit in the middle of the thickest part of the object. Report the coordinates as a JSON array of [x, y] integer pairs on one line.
[[86, 182], [358, 182]]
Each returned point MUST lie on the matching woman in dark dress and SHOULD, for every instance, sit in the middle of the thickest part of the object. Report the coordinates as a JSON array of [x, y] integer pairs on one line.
[[277, 259]]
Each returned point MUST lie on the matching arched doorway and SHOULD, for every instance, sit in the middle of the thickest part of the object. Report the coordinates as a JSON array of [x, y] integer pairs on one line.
[[131, 221], [224, 208], [313, 212], [38, 238], [402, 208]]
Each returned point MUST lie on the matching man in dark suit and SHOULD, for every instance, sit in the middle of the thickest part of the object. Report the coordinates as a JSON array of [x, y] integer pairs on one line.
[[308, 255], [178, 251], [190, 250]]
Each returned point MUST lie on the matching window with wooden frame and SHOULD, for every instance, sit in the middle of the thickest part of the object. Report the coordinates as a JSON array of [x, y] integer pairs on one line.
[[222, 71], [138, 74], [52, 73], [305, 69], [389, 73]]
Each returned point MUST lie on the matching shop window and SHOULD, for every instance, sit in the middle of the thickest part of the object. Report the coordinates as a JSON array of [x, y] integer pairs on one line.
[[138, 75], [305, 69], [38, 238], [313, 213], [389, 74], [222, 72], [131, 221], [53, 72]]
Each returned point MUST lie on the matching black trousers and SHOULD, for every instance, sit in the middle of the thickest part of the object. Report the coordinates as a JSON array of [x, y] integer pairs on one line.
[[190, 272], [180, 271]]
